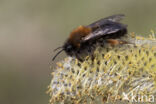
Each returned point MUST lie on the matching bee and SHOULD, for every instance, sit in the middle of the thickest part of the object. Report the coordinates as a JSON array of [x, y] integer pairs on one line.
[[84, 38]]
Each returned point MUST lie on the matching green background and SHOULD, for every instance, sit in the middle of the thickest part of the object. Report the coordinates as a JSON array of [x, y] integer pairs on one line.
[[31, 29]]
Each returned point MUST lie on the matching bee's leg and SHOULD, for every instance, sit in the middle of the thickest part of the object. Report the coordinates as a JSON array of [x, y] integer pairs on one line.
[[114, 42], [78, 57], [91, 50], [92, 56]]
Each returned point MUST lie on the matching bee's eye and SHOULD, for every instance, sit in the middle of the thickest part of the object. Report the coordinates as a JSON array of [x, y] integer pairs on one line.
[[68, 48]]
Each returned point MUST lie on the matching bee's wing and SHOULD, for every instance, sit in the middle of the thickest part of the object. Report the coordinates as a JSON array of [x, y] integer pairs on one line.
[[113, 18], [107, 30]]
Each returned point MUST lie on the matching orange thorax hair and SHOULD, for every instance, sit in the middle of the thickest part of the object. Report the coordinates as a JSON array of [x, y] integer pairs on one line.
[[77, 35]]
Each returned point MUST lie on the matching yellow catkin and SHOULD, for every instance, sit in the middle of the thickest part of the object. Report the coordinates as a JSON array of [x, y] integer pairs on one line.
[[115, 71]]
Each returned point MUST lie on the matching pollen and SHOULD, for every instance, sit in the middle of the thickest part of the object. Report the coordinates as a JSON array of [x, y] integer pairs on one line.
[[114, 71]]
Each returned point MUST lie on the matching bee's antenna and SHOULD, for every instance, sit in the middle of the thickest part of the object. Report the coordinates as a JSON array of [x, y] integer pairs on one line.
[[57, 54], [57, 48]]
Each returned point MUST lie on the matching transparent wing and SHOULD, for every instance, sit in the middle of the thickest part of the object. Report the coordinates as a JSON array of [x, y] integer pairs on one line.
[[113, 18], [107, 30]]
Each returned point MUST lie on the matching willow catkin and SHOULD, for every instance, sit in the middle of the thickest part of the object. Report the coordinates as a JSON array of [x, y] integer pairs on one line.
[[114, 71]]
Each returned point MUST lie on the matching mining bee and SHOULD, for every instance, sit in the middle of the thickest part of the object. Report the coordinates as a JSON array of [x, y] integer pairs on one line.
[[85, 37]]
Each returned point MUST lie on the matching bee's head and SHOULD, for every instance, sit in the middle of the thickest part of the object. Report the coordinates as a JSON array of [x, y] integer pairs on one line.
[[67, 47]]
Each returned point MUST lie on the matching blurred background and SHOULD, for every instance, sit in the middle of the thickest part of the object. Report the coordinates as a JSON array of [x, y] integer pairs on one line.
[[31, 29]]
